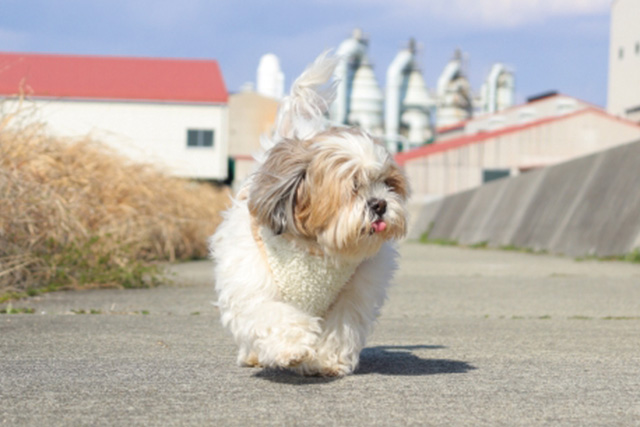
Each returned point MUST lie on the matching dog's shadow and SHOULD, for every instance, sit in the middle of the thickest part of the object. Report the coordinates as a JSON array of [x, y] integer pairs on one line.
[[399, 360], [382, 360]]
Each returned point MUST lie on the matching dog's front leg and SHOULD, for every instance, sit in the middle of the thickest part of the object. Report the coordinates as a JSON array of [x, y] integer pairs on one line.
[[351, 318], [344, 334], [282, 335]]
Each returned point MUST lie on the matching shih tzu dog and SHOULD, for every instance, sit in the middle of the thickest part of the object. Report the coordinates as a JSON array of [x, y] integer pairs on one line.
[[304, 256]]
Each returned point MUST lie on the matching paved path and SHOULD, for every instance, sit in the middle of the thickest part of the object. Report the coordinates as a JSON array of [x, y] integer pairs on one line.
[[468, 337]]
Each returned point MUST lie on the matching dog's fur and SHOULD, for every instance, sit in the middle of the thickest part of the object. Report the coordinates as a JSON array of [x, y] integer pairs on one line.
[[323, 191]]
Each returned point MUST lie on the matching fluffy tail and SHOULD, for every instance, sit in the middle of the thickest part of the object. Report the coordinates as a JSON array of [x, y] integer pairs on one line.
[[302, 113]]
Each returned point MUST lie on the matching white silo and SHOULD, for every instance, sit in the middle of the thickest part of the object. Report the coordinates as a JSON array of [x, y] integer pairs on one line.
[[408, 105], [351, 52], [455, 101], [498, 92], [270, 78], [397, 77], [417, 110], [366, 100]]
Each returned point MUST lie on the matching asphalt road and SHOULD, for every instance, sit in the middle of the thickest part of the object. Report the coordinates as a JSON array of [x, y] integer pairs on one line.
[[468, 337]]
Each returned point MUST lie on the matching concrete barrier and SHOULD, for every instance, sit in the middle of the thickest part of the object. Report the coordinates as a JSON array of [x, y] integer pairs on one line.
[[607, 221], [560, 189], [511, 208], [448, 215], [587, 206], [472, 225], [636, 245], [421, 215]]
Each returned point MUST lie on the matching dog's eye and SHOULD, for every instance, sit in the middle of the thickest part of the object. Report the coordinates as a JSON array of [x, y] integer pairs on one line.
[[356, 186], [390, 183]]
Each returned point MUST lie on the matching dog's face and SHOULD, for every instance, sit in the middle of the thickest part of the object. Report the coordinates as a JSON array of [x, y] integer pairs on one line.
[[340, 190]]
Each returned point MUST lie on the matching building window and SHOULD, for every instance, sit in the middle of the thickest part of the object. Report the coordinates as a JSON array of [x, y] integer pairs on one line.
[[199, 138], [565, 106], [621, 53], [526, 115], [493, 174]]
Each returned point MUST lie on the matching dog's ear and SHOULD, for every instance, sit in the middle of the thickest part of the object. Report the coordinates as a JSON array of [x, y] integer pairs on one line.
[[302, 113], [274, 186]]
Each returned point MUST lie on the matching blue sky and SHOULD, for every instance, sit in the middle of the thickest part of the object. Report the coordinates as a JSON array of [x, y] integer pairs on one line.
[[550, 44]]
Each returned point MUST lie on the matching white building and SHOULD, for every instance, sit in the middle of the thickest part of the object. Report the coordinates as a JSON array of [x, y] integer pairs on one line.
[[169, 112], [550, 104], [624, 60], [251, 115], [468, 161]]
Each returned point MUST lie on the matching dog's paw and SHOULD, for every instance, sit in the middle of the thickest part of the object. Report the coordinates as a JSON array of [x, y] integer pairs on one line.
[[295, 357], [335, 370], [289, 344], [332, 362], [249, 361]]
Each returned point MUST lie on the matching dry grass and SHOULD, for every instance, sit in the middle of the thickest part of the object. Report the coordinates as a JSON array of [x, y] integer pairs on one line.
[[74, 214]]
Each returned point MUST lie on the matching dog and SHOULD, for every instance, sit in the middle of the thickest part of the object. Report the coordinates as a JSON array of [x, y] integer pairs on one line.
[[305, 254]]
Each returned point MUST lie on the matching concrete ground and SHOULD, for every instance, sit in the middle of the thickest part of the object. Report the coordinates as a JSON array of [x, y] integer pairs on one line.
[[468, 337]]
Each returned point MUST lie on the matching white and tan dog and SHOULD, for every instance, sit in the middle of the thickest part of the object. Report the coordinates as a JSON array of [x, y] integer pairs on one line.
[[304, 256]]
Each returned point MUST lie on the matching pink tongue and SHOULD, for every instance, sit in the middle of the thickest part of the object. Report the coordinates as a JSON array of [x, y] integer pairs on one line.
[[379, 226]]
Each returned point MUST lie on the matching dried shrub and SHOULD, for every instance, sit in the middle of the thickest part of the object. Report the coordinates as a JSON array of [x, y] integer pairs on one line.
[[74, 214]]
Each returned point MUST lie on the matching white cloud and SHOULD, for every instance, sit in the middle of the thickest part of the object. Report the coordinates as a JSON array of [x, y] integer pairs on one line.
[[513, 13], [494, 13]]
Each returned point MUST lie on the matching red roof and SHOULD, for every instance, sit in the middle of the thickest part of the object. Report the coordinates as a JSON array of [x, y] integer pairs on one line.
[[451, 144], [111, 78], [455, 126]]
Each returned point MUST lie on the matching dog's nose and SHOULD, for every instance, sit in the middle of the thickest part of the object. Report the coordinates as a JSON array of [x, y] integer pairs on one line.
[[378, 206]]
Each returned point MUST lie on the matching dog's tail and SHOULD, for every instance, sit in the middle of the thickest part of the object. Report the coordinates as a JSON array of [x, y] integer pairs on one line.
[[302, 113]]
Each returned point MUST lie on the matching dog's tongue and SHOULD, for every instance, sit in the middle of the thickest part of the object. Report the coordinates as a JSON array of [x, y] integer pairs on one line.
[[379, 226]]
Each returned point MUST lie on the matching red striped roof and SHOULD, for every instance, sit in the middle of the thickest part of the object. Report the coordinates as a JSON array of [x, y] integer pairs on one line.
[[111, 78], [451, 144], [454, 126]]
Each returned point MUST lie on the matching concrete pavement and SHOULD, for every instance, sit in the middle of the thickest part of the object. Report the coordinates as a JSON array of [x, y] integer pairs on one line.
[[468, 337]]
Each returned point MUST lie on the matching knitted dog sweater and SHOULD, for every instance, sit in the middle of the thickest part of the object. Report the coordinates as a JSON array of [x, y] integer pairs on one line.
[[309, 282]]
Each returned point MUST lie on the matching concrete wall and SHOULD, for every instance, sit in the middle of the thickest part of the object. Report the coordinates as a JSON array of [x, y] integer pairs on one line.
[[588, 206]]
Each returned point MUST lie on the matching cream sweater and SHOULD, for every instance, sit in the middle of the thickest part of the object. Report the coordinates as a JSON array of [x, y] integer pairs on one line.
[[309, 282]]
